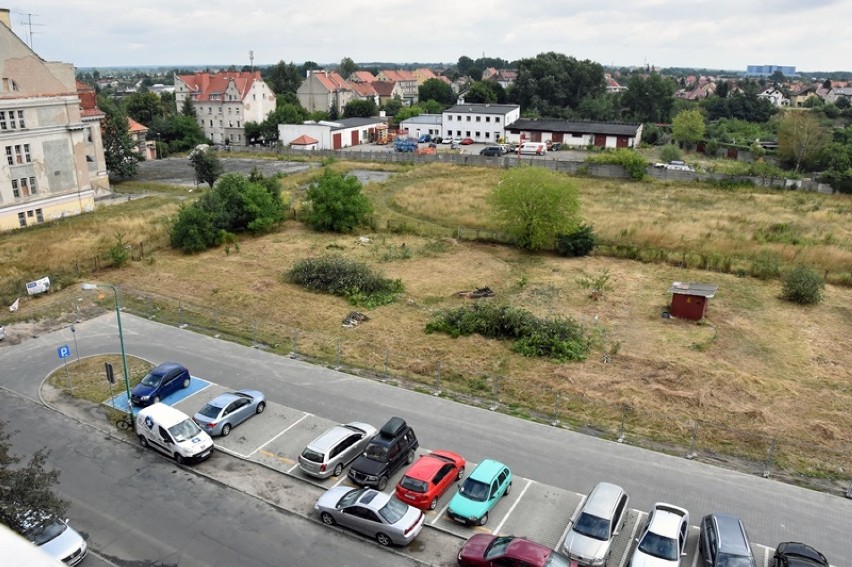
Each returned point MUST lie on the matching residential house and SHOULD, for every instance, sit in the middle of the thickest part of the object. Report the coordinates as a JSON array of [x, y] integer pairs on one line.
[[324, 91], [837, 93], [696, 88], [387, 90], [423, 74], [362, 77], [225, 101], [365, 91], [575, 134], [406, 81], [50, 135], [480, 122], [776, 96], [504, 77], [613, 86], [803, 94], [139, 133], [328, 135]]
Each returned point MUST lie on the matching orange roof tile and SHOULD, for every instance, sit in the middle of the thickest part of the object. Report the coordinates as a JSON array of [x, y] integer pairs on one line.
[[303, 140], [203, 85], [363, 89], [363, 76], [135, 126]]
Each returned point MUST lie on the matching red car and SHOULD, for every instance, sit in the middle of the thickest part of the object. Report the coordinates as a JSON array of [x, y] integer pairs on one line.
[[486, 550], [466, 141], [430, 477]]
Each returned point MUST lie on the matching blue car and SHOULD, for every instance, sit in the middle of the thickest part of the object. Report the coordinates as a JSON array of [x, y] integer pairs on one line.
[[425, 138], [163, 380]]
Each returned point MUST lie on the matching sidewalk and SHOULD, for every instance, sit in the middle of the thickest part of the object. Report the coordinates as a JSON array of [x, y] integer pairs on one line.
[[431, 547]]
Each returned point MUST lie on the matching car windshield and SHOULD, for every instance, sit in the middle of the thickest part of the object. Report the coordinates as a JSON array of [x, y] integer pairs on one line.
[[151, 380], [726, 560], [312, 456], [376, 453], [413, 484], [210, 411], [592, 526], [659, 546], [351, 497], [474, 490], [186, 429], [393, 511], [42, 532], [497, 547]]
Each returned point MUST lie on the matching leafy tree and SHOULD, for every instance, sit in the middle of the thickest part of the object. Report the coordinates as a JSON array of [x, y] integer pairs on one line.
[[283, 78], [408, 112], [842, 103], [167, 103], [392, 106], [437, 90], [187, 109], [360, 108], [336, 203], [464, 64], [534, 205], [604, 108], [207, 166], [143, 107], [308, 66], [802, 285], [194, 230], [740, 105], [485, 92], [649, 99], [432, 107], [722, 89], [177, 133], [346, 67], [800, 138], [26, 492], [120, 153], [688, 126], [552, 82]]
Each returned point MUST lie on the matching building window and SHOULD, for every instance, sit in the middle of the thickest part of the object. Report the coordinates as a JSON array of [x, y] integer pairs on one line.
[[449, 117], [458, 117], [238, 110], [211, 123], [478, 118], [27, 153], [220, 110], [22, 218], [488, 119], [487, 135], [210, 110], [39, 216], [468, 118], [9, 157], [16, 193], [30, 214], [3, 125], [33, 186], [229, 110]]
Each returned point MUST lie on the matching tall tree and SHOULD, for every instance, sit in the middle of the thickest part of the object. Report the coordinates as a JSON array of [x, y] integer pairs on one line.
[[346, 67], [553, 83], [187, 109], [336, 203], [120, 153], [207, 166], [800, 138], [436, 89], [360, 109], [283, 77], [688, 126], [143, 107], [649, 99], [534, 205]]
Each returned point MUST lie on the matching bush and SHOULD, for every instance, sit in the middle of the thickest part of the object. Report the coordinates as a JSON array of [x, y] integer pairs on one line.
[[766, 265], [670, 152], [335, 275], [336, 203], [561, 339], [194, 230], [118, 252], [579, 242], [803, 285], [634, 163]]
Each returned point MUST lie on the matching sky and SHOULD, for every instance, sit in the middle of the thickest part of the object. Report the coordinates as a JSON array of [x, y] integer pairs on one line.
[[811, 35]]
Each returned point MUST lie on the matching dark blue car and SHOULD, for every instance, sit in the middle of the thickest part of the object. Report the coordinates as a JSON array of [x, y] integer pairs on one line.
[[424, 138], [163, 380]]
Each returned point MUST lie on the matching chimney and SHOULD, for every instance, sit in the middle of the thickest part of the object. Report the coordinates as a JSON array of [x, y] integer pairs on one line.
[[5, 18]]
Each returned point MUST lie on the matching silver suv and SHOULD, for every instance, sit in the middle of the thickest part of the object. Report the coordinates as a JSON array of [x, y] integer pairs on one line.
[[329, 453], [723, 542], [589, 541]]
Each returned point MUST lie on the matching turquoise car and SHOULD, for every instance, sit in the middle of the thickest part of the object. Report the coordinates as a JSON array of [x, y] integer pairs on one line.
[[480, 491]]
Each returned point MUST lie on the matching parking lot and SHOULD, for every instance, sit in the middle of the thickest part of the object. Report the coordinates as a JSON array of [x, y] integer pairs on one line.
[[533, 510]]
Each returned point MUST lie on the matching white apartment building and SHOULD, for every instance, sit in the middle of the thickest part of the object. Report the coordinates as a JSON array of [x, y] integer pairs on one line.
[[481, 122]]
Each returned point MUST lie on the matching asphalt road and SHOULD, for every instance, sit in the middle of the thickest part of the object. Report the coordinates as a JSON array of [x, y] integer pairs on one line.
[[772, 511]]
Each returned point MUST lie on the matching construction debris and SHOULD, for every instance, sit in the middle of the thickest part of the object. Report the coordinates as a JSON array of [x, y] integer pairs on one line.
[[354, 319], [477, 293]]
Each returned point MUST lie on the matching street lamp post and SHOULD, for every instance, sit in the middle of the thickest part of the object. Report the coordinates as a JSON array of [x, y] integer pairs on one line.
[[121, 341]]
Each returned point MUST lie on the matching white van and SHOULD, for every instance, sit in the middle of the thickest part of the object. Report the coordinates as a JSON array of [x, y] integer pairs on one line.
[[173, 433], [532, 149]]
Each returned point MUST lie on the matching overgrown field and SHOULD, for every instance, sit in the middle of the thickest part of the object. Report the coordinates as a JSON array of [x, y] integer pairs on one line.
[[757, 364]]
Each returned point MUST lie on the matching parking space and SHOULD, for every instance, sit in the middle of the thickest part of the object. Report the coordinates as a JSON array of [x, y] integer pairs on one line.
[[536, 511], [121, 403]]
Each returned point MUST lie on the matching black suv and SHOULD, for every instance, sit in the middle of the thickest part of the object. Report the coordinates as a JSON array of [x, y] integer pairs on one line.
[[393, 447], [723, 542], [493, 151]]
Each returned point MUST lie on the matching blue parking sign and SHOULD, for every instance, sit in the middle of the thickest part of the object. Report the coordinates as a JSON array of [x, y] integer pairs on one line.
[[63, 351]]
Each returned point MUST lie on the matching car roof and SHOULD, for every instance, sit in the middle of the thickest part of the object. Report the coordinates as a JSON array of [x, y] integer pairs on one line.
[[426, 466], [667, 519], [603, 498], [732, 536], [222, 400], [487, 470], [373, 499], [330, 438], [163, 414], [166, 367], [528, 551]]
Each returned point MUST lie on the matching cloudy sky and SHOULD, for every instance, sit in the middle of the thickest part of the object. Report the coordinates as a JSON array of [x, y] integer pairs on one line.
[[812, 35]]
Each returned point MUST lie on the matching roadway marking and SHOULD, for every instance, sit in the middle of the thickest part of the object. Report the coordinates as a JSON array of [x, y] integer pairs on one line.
[[441, 514], [272, 455], [291, 469], [561, 539], [695, 559], [630, 541], [512, 508], [295, 423]]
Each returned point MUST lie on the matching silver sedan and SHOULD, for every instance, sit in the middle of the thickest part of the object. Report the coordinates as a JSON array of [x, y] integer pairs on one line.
[[226, 411], [372, 513]]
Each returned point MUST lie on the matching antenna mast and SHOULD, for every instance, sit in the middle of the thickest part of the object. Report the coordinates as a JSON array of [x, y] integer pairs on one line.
[[29, 23]]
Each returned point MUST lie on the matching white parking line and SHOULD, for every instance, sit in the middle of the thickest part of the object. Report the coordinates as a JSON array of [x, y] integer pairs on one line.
[[295, 423], [695, 559], [294, 467], [561, 539], [630, 541], [512, 509]]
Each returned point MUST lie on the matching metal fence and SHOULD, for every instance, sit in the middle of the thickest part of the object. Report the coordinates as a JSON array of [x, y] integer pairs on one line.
[[472, 382]]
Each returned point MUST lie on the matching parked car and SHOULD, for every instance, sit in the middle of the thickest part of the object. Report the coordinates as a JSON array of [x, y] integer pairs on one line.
[[387, 452], [425, 138], [589, 539], [466, 141], [723, 542], [663, 538], [455, 144], [486, 550], [556, 146], [429, 478], [55, 538], [329, 453], [173, 433], [480, 491], [795, 554], [165, 379], [372, 513], [448, 140], [491, 151], [228, 410]]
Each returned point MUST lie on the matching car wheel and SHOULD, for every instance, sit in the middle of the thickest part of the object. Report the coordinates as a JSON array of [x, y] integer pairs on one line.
[[155, 400], [179, 459], [143, 441], [226, 429], [383, 483], [327, 519], [410, 458], [260, 407], [461, 473], [484, 519], [185, 383], [338, 470], [383, 539], [433, 504], [508, 490]]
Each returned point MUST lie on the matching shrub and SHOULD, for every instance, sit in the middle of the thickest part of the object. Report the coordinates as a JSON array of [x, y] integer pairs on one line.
[[634, 163], [766, 265], [194, 231], [336, 203], [118, 252], [561, 339], [579, 242], [355, 281], [803, 285], [670, 152]]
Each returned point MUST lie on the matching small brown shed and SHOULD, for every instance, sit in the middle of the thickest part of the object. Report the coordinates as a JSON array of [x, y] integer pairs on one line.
[[689, 300]]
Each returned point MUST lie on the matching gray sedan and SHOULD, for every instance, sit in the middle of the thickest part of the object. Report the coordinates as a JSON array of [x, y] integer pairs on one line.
[[372, 513], [226, 411]]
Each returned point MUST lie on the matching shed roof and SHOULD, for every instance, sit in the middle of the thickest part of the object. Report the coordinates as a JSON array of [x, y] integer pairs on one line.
[[482, 108], [611, 128], [685, 288], [304, 140]]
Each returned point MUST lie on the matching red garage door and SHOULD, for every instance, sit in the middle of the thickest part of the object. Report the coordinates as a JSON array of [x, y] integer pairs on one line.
[[600, 140], [558, 137], [335, 142], [536, 136], [621, 142], [354, 137]]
